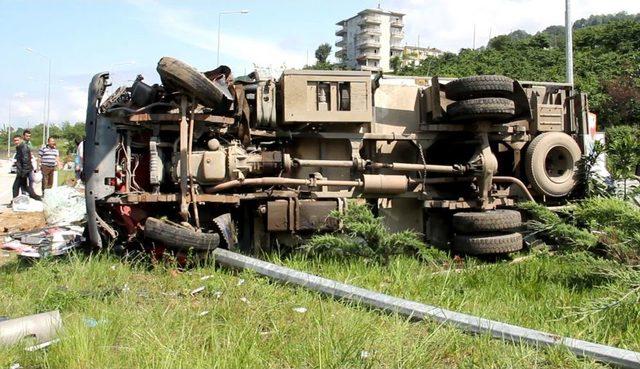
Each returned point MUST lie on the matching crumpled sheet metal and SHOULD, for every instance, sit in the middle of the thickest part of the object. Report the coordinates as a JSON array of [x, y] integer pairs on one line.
[[49, 241], [42, 327]]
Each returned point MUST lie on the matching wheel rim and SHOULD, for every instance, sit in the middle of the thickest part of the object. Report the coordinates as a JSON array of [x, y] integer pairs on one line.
[[558, 164]]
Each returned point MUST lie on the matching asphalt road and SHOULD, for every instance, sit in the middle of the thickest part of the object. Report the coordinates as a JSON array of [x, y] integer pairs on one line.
[[6, 184]]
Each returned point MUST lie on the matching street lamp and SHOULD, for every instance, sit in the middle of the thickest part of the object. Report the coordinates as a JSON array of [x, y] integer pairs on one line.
[[219, 20], [46, 127]]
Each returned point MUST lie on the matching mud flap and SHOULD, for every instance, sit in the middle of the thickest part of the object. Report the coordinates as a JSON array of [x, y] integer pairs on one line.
[[227, 231]]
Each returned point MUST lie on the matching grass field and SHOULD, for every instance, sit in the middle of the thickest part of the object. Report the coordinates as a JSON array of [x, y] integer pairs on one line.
[[119, 315]]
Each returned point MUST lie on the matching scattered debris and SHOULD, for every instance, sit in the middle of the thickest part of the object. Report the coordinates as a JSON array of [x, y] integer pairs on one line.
[[43, 242], [204, 278], [300, 310], [196, 291], [25, 204], [364, 354], [92, 322], [240, 282], [15, 366], [42, 345], [244, 299], [43, 328], [64, 205], [217, 294], [204, 313]]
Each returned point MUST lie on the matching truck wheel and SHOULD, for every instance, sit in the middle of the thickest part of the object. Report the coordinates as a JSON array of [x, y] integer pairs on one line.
[[488, 221], [550, 163], [486, 108], [479, 86], [182, 238], [488, 244], [176, 75]]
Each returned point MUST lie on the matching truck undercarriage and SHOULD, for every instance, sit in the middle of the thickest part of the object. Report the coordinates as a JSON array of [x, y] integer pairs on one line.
[[206, 160]]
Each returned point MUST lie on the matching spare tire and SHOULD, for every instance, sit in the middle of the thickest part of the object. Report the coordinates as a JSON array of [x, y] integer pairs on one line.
[[488, 244], [551, 163], [486, 221], [487, 108], [175, 236], [479, 86], [181, 77]]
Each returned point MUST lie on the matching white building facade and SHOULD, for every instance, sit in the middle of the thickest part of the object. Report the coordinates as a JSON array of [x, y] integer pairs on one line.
[[370, 39]]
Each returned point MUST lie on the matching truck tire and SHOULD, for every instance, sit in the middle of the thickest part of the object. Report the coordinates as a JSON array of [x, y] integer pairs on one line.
[[486, 108], [550, 163], [488, 221], [479, 86], [179, 76], [178, 237], [488, 244]]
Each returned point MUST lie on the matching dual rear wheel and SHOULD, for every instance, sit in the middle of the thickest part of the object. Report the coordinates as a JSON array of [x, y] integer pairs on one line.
[[487, 233]]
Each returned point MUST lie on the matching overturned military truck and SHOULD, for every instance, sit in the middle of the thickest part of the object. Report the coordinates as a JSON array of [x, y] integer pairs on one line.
[[207, 160]]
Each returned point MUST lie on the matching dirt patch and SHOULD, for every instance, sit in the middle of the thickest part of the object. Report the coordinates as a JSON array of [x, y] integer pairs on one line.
[[11, 221]]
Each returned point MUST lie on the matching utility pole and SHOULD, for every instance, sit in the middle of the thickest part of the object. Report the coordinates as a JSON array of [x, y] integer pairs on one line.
[[474, 36], [569, 44], [9, 129], [45, 129], [219, 20]]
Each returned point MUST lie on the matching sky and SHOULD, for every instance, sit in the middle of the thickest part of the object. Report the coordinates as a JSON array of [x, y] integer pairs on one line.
[[128, 38]]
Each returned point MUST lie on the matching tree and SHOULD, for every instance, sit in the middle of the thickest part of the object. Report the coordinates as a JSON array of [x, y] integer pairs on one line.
[[322, 53], [623, 153], [395, 63], [607, 56]]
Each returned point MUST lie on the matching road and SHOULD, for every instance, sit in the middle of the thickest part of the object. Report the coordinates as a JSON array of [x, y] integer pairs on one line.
[[6, 184]]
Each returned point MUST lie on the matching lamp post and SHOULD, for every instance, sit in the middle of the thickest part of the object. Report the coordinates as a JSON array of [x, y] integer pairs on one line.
[[9, 130], [219, 20], [45, 135], [569, 41]]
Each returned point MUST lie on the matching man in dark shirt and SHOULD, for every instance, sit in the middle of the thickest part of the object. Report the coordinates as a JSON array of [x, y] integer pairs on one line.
[[24, 168]]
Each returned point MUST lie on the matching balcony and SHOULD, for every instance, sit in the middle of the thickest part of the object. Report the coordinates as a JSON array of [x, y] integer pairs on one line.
[[397, 23], [369, 68], [371, 19], [341, 54], [397, 48], [341, 31], [341, 43], [370, 31], [368, 44], [369, 55], [396, 35]]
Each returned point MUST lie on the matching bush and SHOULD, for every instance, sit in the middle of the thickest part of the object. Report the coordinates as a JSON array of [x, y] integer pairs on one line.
[[618, 224], [623, 153], [549, 227], [364, 235]]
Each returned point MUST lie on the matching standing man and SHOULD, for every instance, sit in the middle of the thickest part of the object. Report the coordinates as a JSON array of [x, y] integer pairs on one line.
[[24, 167], [49, 160]]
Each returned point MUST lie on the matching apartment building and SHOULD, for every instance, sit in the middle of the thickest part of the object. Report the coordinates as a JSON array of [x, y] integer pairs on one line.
[[370, 39]]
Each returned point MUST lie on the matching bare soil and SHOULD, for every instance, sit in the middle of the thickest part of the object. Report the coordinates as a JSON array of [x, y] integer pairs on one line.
[[11, 221]]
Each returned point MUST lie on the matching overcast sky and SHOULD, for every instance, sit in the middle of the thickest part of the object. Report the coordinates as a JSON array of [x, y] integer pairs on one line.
[[128, 38]]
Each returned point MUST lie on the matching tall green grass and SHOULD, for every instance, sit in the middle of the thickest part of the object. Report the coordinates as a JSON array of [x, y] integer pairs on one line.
[[147, 318]]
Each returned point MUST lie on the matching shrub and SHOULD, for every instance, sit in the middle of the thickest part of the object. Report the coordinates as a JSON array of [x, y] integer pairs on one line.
[[552, 229], [364, 235]]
